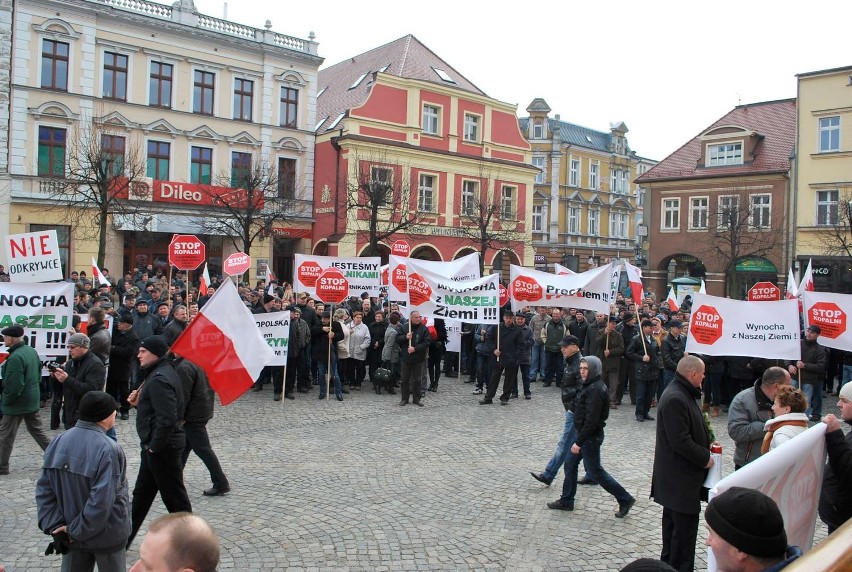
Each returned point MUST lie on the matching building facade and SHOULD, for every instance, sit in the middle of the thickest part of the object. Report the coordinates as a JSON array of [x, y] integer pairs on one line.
[[586, 209], [182, 103], [719, 204], [823, 179], [452, 160]]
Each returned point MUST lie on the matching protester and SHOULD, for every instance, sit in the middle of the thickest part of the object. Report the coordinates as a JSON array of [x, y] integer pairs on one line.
[[81, 495], [504, 359], [749, 412], [19, 400], [644, 353], [835, 500], [671, 350], [325, 337], [178, 542], [100, 340], [125, 347], [83, 373], [359, 343], [610, 347], [538, 357], [437, 350], [809, 371], [178, 323], [789, 418], [528, 340], [297, 368], [626, 377], [391, 353], [551, 334], [413, 345], [145, 323]]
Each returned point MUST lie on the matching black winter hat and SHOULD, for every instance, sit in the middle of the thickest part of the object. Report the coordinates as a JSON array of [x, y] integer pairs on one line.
[[157, 345], [749, 521], [13, 331], [96, 406]]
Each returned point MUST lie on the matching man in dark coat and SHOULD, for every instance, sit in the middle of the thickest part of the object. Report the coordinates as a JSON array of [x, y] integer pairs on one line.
[[644, 353], [626, 375], [835, 499], [810, 370], [673, 347], [83, 373], [504, 359], [610, 348], [413, 344], [681, 459], [325, 336], [178, 323], [125, 347], [299, 341]]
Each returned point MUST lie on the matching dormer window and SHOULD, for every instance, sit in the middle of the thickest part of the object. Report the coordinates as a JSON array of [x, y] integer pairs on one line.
[[724, 154], [538, 129]]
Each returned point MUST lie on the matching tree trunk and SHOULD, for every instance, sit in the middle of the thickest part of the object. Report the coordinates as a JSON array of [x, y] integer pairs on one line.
[[103, 219]]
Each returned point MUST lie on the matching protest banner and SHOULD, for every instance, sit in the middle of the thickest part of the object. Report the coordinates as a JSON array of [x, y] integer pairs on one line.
[[275, 329], [791, 475], [464, 268], [826, 310], [436, 296], [561, 270], [588, 290], [44, 311], [33, 257], [725, 327], [615, 282], [454, 329], [363, 274]]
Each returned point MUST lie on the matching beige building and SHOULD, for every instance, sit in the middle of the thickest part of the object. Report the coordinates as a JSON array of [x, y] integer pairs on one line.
[[190, 99], [822, 206]]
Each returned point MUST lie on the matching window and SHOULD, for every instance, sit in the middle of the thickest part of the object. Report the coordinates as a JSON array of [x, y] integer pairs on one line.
[[671, 214], [358, 81], [594, 226], [827, 208], [574, 173], [574, 214], [243, 95], [115, 76], [594, 174], [63, 239], [507, 203], [618, 181], [381, 181], [699, 208], [729, 211], [538, 129], [426, 194], [430, 119], [202, 92], [829, 134], [761, 206], [112, 151], [537, 218], [201, 165], [618, 223], [444, 75], [469, 189], [160, 85], [241, 170], [541, 176], [335, 122], [471, 127], [725, 154], [159, 157], [289, 107], [54, 65], [286, 178], [51, 152]]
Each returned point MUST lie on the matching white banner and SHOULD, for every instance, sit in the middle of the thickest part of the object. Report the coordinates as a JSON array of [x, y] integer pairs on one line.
[[454, 329], [33, 257], [560, 270], [363, 274], [44, 311], [615, 281], [725, 327], [830, 312], [588, 290], [792, 476], [436, 296], [275, 329], [464, 268]]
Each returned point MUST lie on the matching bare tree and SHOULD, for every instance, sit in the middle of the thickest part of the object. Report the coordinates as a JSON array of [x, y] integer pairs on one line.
[[836, 222], [740, 227], [381, 199], [103, 177]]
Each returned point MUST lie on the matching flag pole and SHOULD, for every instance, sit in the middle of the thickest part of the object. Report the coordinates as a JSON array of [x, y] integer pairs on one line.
[[170, 282], [642, 335], [498, 340], [328, 366], [284, 389]]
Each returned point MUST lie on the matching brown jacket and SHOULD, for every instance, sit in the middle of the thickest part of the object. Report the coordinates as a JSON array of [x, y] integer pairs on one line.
[[615, 345]]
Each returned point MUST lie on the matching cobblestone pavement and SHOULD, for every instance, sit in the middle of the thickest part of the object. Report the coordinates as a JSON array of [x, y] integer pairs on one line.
[[368, 485]]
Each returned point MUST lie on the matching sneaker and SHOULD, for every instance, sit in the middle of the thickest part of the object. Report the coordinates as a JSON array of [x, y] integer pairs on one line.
[[557, 505], [477, 391], [624, 508]]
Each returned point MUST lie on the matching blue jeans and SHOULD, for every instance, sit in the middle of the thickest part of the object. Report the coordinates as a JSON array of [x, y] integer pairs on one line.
[[335, 381], [483, 370], [813, 393], [537, 361], [563, 448], [590, 453]]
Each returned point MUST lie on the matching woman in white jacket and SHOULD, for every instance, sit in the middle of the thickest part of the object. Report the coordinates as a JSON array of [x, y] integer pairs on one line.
[[790, 419], [359, 342]]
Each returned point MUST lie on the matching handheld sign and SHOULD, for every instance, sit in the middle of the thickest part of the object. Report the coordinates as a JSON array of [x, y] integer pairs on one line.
[[33, 257], [332, 286], [237, 264], [186, 252]]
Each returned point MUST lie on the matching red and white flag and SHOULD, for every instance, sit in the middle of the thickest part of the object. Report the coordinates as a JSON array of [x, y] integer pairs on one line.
[[703, 288], [561, 270], [98, 275], [271, 278], [792, 286], [634, 278], [224, 341], [671, 301], [807, 284], [205, 281]]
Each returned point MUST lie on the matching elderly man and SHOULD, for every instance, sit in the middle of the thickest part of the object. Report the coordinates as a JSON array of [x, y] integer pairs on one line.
[[83, 373], [749, 411], [21, 374], [179, 542], [835, 500]]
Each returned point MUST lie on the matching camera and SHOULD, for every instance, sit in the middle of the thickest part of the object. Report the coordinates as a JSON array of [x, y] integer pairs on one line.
[[53, 366]]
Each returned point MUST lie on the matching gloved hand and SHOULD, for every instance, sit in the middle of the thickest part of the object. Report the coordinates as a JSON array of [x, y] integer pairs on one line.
[[61, 544]]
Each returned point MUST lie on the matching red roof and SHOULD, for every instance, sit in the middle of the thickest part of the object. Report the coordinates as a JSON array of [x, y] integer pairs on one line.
[[406, 57], [773, 121]]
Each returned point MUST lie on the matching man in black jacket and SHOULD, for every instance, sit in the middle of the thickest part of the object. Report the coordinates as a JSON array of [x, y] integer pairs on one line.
[[835, 499], [178, 323], [125, 347], [644, 353], [673, 347], [159, 403], [504, 360], [324, 337], [681, 459], [197, 412], [413, 344], [83, 373], [627, 373], [590, 418]]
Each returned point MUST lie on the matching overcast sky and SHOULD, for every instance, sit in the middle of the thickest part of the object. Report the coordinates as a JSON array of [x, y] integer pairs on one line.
[[666, 68]]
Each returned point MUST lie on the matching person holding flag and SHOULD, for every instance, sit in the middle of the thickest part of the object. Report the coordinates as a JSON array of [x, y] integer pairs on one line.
[[504, 358], [413, 345]]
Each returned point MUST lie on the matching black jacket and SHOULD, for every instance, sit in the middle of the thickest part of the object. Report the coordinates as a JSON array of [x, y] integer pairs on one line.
[[682, 449], [161, 403], [84, 375], [814, 358], [125, 346], [420, 339], [645, 371], [319, 338], [377, 341], [147, 325], [198, 407], [579, 329], [672, 351], [592, 408], [511, 343], [571, 382], [173, 330], [835, 499]]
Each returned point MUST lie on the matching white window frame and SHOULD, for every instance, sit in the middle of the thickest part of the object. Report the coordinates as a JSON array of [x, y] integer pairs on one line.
[[476, 123], [670, 206], [572, 219], [721, 222], [541, 163], [730, 156], [538, 218], [468, 196], [705, 209], [595, 175], [831, 206], [828, 129], [619, 224], [767, 207], [437, 117], [508, 196], [538, 129], [575, 167], [422, 190], [593, 227]]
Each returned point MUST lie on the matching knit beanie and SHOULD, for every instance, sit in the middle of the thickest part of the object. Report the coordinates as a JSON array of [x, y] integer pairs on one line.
[[647, 565], [749, 521], [846, 391], [157, 345], [96, 406]]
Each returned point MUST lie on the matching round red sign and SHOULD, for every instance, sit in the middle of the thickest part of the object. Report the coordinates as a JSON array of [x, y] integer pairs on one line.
[[332, 286], [706, 325], [400, 248], [237, 264], [186, 252]]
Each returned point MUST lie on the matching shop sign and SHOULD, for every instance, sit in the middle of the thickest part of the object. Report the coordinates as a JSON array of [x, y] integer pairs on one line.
[[288, 232], [203, 195]]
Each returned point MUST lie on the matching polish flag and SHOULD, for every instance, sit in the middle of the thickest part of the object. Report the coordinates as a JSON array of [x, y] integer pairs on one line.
[[671, 300], [634, 278], [560, 270], [703, 288], [225, 342], [807, 284], [792, 288], [271, 277], [98, 275], [205, 281]]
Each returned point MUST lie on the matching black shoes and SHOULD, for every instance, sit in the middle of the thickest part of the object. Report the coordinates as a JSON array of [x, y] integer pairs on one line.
[[557, 505], [624, 508], [485, 401], [403, 403], [277, 397], [504, 402], [216, 491], [125, 416], [257, 388], [640, 418], [418, 404], [541, 478], [289, 396], [586, 481], [647, 417], [527, 396]]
